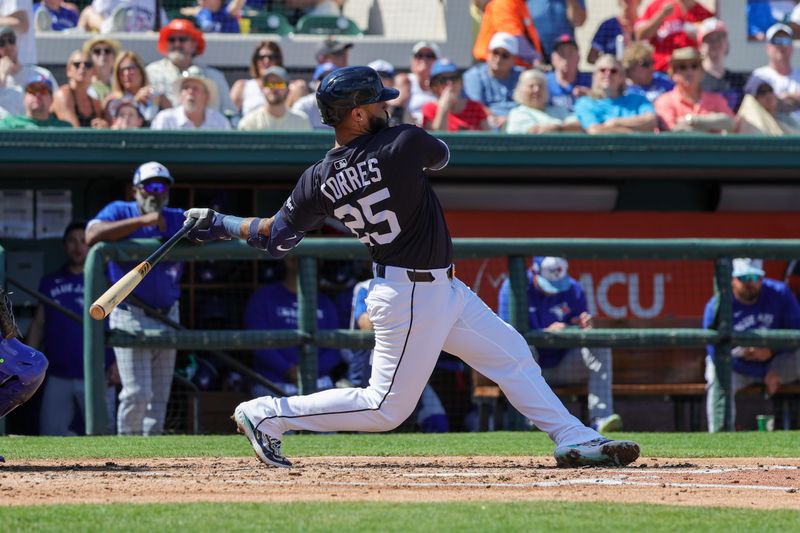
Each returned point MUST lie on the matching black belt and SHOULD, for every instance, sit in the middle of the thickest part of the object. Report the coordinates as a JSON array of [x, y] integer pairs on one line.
[[414, 275]]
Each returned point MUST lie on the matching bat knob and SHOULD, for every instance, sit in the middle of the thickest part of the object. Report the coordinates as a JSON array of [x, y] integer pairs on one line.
[[97, 312]]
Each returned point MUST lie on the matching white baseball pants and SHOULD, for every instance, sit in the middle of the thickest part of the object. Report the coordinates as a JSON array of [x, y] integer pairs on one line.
[[413, 322]]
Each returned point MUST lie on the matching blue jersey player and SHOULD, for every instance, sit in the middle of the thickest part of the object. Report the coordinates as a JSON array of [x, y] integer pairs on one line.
[[758, 303], [375, 182]]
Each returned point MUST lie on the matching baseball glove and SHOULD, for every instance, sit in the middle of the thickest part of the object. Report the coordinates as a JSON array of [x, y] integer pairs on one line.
[[8, 326]]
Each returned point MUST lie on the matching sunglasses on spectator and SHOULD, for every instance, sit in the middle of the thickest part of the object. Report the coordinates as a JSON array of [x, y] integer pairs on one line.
[[443, 79], [178, 39], [79, 64], [680, 67], [102, 51], [781, 41], [608, 70], [38, 89], [268, 57], [275, 84], [7, 40], [155, 187], [129, 68], [749, 278], [425, 55], [501, 54]]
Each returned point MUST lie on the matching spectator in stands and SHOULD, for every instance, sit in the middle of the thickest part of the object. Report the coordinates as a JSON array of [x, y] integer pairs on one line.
[[112, 16], [761, 14], [669, 25], [62, 338], [688, 107], [451, 112], [533, 114], [493, 83], [333, 51], [512, 17], [415, 87], [759, 303], [564, 83], [714, 47], [247, 95], [218, 16], [397, 113], [145, 373], [275, 115], [274, 306], [557, 302], [16, 15], [14, 74], [608, 109], [129, 82], [643, 78], [196, 109], [759, 113], [72, 102], [10, 103], [55, 15], [554, 18], [605, 39], [37, 101], [180, 42], [779, 73], [124, 114], [308, 104], [103, 53]]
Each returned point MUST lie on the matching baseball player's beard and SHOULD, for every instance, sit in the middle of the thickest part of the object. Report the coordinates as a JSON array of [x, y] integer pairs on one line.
[[151, 204], [376, 124]]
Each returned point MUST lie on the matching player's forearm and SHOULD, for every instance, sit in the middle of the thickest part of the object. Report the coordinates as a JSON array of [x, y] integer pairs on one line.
[[114, 231], [264, 226]]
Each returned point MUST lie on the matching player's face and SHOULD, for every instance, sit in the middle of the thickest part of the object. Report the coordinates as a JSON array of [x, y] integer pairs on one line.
[[747, 288], [75, 247], [378, 116], [152, 202]]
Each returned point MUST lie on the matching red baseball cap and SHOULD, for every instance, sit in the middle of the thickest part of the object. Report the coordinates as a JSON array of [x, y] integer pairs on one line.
[[180, 26]]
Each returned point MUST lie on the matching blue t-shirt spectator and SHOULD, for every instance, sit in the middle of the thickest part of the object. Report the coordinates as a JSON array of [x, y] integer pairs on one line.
[[497, 95], [63, 18], [761, 14], [545, 309], [160, 288], [776, 308], [605, 38], [273, 306], [661, 84], [220, 21], [550, 19], [591, 111], [563, 96]]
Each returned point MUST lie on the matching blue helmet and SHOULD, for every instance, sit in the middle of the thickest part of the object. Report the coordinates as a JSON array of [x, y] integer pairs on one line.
[[22, 370], [347, 88]]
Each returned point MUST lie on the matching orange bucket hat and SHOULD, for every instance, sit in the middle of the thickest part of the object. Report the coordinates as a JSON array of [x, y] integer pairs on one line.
[[180, 26]]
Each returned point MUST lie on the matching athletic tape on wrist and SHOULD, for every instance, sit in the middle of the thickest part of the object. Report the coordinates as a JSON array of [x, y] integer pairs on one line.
[[232, 225], [254, 238]]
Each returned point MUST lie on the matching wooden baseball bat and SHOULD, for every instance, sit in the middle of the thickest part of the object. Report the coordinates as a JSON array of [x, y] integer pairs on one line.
[[122, 288]]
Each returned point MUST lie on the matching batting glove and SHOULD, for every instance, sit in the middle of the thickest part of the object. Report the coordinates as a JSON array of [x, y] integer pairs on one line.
[[209, 226]]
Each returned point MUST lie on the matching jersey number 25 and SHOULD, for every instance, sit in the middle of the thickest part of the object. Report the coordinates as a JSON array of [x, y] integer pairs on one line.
[[353, 218]]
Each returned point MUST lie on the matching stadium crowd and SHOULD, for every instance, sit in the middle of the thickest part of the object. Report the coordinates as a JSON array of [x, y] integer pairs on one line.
[[656, 69]]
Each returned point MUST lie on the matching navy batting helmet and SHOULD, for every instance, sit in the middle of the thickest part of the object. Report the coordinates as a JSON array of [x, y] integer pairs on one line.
[[22, 370], [349, 87]]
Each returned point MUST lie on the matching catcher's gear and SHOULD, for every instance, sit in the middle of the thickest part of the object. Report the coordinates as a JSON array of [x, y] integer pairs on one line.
[[22, 368], [349, 87]]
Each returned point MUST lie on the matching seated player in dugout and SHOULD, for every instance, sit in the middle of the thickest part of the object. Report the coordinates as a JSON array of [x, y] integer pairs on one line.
[[556, 301], [758, 303]]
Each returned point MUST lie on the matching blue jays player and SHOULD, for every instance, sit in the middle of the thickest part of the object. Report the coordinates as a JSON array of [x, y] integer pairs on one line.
[[374, 181], [758, 303], [556, 301], [22, 368]]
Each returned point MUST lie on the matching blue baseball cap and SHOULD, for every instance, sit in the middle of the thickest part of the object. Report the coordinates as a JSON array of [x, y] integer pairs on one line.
[[746, 266], [322, 70], [443, 66], [551, 274]]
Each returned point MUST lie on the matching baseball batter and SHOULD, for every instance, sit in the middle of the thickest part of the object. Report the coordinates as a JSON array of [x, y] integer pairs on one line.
[[374, 181]]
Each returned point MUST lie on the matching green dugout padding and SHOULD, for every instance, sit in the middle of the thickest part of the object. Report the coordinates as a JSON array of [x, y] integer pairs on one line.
[[719, 250]]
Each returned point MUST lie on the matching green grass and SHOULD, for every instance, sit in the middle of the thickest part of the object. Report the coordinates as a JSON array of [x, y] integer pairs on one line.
[[391, 517], [699, 445]]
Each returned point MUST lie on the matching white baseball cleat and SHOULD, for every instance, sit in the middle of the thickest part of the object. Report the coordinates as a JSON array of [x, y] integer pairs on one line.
[[268, 449], [597, 452]]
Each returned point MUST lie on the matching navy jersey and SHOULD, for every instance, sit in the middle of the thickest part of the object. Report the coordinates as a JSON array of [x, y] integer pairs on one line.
[[376, 186]]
